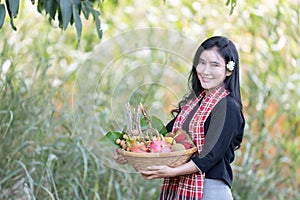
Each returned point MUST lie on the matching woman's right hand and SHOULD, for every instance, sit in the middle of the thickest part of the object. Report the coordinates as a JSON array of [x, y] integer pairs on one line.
[[119, 158]]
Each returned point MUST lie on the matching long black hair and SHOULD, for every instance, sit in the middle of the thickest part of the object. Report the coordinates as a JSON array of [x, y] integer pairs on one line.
[[228, 51]]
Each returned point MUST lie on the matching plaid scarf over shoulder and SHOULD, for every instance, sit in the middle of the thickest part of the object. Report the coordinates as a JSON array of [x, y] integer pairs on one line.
[[190, 186]]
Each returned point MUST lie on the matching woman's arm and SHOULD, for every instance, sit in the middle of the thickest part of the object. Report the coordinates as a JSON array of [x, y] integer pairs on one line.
[[220, 134], [225, 125], [163, 171]]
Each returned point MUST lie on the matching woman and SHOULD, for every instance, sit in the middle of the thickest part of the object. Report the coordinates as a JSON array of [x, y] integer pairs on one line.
[[212, 114]]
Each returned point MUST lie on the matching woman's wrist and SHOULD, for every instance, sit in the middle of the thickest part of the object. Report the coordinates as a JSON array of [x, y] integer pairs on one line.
[[187, 168]]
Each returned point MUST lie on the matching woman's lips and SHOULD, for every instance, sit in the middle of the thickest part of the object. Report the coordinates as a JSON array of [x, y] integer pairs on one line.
[[205, 79]]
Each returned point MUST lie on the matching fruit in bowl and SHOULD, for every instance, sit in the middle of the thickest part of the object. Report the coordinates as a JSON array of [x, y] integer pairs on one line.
[[158, 143], [145, 141]]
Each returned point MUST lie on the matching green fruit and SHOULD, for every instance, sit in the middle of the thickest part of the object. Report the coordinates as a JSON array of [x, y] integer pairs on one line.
[[177, 147]]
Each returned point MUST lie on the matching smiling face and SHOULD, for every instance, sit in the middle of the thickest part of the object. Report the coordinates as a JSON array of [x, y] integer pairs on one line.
[[211, 69]]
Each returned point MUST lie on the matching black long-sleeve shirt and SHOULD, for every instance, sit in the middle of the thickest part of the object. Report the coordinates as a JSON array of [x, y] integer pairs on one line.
[[223, 131]]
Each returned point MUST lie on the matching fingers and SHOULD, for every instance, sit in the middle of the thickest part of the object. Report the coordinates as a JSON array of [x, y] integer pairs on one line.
[[147, 175], [156, 171], [156, 167], [116, 154], [119, 158]]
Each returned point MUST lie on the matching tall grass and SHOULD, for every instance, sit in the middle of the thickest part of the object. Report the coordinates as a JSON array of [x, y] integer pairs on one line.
[[50, 114], [269, 162]]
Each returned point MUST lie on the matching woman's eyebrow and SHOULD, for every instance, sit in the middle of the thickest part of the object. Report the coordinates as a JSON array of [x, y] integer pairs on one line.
[[215, 62], [211, 62]]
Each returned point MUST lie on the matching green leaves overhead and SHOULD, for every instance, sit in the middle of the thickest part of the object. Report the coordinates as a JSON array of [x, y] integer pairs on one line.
[[13, 7], [76, 16], [65, 11], [87, 8], [50, 7], [68, 12], [232, 5], [2, 14]]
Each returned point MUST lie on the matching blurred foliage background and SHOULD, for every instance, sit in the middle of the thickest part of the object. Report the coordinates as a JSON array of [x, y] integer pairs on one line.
[[57, 99]]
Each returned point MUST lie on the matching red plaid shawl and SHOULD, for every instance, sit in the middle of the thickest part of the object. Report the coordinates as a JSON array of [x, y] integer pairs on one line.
[[190, 186]]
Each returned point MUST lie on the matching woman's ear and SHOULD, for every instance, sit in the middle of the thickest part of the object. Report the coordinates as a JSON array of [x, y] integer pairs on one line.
[[228, 73]]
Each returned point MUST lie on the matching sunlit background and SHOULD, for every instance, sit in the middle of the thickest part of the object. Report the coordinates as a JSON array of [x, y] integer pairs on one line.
[[58, 99]]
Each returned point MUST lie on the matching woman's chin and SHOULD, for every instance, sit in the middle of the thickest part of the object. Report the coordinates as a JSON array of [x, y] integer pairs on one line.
[[205, 86]]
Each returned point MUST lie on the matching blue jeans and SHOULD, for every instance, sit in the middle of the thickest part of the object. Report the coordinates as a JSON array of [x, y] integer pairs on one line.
[[216, 190]]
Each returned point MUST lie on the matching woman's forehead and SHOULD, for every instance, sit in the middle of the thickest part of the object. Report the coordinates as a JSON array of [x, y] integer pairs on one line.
[[211, 55]]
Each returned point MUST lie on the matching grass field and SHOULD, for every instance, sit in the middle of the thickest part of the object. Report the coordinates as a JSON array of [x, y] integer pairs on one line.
[[57, 100]]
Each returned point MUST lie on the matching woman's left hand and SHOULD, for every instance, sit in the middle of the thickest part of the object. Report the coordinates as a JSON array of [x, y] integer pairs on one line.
[[164, 171], [157, 171]]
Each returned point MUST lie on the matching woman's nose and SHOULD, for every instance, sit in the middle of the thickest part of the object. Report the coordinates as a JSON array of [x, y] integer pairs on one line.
[[205, 69]]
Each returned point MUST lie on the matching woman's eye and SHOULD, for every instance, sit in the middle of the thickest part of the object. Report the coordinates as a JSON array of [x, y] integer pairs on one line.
[[201, 62], [215, 65]]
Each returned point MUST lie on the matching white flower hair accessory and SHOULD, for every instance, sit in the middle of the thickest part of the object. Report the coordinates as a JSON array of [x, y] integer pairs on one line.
[[230, 65]]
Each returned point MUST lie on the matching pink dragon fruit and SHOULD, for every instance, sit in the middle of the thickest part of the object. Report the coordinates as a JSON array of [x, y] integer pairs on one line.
[[158, 146], [187, 144], [138, 148]]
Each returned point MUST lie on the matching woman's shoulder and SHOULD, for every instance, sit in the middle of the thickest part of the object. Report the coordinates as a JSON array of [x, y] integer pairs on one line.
[[234, 107], [229, 103]]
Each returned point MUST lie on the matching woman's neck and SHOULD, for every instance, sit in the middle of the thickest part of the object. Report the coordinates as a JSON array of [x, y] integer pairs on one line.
[[209, 91]]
